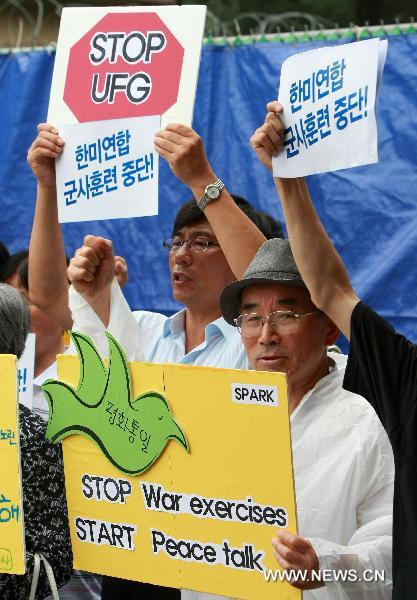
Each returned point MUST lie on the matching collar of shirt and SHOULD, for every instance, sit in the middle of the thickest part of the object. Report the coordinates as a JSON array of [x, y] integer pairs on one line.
[[49, 373], [174, 326], [326, 384]]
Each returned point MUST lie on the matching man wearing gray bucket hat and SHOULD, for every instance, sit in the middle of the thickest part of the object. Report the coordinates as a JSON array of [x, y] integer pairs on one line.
[[343, 464]]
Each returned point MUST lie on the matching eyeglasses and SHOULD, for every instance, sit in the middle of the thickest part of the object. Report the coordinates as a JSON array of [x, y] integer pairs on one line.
[[193, 245], [285, 321]]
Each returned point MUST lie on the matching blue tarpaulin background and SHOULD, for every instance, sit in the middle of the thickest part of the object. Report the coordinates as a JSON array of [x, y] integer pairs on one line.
[[369, 212]]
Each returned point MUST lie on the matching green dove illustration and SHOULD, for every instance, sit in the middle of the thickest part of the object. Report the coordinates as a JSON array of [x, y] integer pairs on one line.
[[132, 434]]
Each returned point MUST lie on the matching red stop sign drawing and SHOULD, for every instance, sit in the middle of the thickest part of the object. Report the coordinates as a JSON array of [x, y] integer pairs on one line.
[[127, 65]]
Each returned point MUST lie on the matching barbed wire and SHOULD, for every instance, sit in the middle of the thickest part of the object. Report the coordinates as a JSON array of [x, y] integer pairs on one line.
[[34, 23], [260, 23]]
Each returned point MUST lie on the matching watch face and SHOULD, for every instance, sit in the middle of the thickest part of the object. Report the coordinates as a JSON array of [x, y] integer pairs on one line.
[[212, 192]]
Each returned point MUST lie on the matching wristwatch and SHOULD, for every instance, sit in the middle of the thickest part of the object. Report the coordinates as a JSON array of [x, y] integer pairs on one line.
[[212, 192]]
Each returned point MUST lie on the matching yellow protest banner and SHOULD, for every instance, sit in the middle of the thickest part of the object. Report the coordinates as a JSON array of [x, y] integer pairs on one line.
[[203, 514], [12, 541]]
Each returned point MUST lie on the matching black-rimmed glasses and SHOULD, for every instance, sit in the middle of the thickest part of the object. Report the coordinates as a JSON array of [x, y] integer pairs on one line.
[[193, 245], [286, 321]]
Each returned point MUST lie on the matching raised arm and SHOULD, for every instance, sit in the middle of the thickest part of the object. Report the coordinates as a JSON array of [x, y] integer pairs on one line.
[[238, 237], [48, 283], [48, 280], [91, 272], [317, 259]]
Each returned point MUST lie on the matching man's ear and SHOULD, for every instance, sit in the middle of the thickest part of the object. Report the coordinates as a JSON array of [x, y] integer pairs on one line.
[[332, 333]]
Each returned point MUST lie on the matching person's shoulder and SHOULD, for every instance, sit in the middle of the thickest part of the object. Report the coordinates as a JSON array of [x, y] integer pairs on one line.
[[365, 316], [359, 413], [30, 422], [33, 432], [354, 407]]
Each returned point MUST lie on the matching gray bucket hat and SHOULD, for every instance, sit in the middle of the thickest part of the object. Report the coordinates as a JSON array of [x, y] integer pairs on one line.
[[273, 263]]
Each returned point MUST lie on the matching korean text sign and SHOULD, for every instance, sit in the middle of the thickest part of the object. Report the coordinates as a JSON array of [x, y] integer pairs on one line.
[[109, 170], [201, 519], [12, 544], [328, 96]]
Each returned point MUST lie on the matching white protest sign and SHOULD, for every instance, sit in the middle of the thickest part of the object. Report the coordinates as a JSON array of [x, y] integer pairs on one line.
[[25, 370], [328, 97], [116, 62], [108, 170]]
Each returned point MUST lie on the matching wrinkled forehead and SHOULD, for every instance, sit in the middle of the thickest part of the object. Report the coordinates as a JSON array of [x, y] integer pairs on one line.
[[276, 296]]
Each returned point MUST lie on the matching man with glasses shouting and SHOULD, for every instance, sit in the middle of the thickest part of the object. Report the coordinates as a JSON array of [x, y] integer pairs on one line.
[[342, 459]]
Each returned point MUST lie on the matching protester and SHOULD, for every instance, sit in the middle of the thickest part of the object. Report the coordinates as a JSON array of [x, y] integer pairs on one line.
[[342, 460], [381, 364], [44, 502]]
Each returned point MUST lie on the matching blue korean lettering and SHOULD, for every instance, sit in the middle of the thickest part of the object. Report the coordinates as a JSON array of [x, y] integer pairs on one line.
[[122, 141], [351, 108], [84, 187], [109, 147], [70, 192], [21, 379], [322, 78], [357, 104], [8, 512], [336, 74], [137, 170], [323, 121], [110, 179], [7, 435]]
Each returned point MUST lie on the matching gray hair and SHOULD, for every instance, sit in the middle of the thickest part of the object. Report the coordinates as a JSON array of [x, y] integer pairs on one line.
[[14, 321]]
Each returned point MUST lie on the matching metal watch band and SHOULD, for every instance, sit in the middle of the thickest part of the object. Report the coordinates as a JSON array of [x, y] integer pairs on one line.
[[204, 200]]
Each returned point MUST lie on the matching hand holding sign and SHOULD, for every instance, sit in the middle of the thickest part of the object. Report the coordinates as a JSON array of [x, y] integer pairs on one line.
[[42, 154], [267, 139], [184, 151], [295, 553]]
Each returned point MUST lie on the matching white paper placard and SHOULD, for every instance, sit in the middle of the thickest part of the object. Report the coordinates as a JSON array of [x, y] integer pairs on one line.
[[159, 45], [25, 370], [328, 96], [108, 170]]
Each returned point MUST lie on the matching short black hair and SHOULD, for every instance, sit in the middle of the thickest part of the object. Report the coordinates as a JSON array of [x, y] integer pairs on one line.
[[4, 254], [16, 263], [189, 212]]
